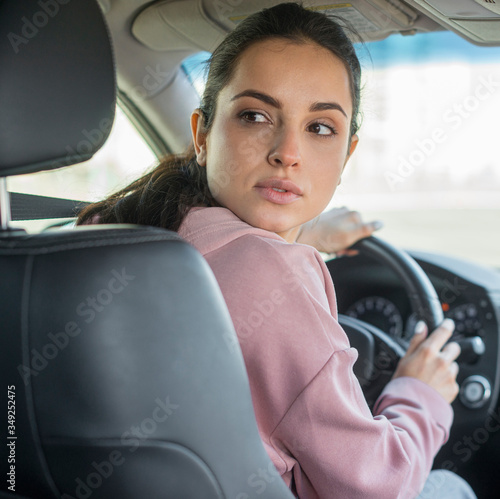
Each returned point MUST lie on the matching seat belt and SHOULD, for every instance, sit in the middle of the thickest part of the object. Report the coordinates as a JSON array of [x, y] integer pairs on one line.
[[32, 207]]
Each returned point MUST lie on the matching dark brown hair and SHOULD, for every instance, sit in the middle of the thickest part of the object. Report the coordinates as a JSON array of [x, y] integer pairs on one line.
[[163, 196]]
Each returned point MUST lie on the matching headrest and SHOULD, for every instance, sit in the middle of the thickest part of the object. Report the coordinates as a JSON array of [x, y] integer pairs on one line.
[[57, 84]]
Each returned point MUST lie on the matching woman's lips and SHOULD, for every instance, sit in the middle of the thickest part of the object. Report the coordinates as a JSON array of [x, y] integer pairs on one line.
[[279, 191]]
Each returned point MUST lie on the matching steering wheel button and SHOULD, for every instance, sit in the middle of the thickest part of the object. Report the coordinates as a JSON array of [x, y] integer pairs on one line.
[[475, 392]]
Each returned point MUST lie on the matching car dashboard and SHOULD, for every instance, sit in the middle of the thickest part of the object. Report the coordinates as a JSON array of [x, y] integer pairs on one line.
[[470, 295]]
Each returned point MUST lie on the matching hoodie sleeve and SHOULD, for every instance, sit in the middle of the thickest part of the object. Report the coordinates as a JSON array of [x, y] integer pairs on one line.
[[310, 409], [334, 447]]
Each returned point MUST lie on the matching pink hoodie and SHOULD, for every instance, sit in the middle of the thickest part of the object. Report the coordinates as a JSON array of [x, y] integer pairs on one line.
[[311, 412]]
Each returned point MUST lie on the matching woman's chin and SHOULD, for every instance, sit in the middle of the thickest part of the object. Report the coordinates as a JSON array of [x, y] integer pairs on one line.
[[270, 220], [271, 225], [287, 231]]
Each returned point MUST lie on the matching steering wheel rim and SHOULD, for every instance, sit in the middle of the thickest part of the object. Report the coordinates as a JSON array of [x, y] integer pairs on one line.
[[421, 293], [374, 371]]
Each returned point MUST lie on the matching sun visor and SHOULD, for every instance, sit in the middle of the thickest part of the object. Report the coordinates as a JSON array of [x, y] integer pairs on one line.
[[188, 24], [476, 20], [373, 19], [178, 25], [201, 24], [493, 5], [487, 31]]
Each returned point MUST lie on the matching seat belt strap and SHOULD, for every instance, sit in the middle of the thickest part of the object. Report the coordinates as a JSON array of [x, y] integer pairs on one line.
[[32, 207]]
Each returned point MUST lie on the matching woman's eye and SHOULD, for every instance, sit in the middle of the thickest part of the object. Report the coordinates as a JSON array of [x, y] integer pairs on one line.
[[321, 129], [253, 117]]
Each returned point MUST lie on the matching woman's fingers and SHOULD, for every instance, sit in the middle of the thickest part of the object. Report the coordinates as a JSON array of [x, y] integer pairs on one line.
[[418, 337], [454, 369], [371, 227], [451, 351], [336, 230], [431, 359], [438, 338]]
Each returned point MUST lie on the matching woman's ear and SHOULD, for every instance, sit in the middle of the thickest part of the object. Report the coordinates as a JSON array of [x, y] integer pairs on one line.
[[352, 147], [199, 137]]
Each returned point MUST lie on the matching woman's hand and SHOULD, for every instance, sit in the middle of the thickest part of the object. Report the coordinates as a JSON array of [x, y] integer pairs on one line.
[[428, 361], [336, 230]]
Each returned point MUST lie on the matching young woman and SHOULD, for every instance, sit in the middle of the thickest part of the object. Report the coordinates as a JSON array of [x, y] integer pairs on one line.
[[275, 129]]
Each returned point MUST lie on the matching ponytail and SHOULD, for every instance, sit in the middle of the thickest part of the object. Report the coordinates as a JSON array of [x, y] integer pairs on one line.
[[161, 198]]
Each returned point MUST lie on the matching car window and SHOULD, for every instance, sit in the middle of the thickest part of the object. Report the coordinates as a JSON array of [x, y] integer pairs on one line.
[[427, 161], [195, 68], [123, 158]]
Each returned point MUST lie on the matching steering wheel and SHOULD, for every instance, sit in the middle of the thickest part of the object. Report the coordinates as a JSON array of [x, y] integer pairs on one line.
[[378, 352]]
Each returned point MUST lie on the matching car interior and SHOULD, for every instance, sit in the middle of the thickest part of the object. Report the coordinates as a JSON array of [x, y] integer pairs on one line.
[[119, 362]]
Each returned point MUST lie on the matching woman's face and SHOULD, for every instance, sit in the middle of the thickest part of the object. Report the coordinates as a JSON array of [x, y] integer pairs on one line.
[[279, 140]]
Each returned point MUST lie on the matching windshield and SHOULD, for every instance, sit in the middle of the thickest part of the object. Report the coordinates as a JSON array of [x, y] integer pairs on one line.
[[427, 162]]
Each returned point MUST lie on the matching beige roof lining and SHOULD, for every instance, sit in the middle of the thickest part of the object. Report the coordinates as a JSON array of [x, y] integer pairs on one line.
[[172, 24], [465, 17], [200, 24]]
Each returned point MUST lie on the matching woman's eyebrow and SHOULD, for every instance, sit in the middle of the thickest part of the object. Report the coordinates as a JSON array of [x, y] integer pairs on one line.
[[259, 95], [317, 106], [325, 106]]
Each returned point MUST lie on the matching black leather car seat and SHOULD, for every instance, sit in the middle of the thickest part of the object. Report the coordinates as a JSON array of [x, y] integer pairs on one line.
[[116, 345]]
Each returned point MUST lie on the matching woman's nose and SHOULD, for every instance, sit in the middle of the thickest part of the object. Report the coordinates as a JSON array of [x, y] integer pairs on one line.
[[286, 150]]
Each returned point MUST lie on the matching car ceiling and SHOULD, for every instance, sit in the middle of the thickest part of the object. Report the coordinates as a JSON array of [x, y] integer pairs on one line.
[[151, 39]]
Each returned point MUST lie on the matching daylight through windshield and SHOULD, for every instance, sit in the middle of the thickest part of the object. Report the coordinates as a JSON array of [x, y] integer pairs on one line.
[[427, 161]]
